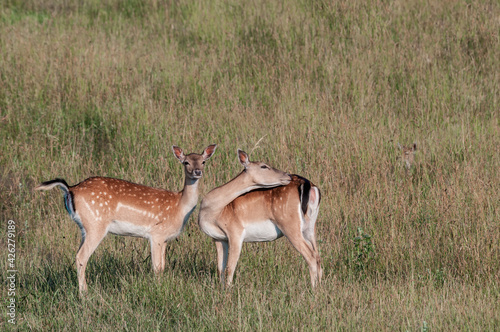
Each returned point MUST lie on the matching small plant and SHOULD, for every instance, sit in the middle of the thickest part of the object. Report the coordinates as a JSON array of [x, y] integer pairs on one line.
[[363, 250], [438, 276], [425, 327]]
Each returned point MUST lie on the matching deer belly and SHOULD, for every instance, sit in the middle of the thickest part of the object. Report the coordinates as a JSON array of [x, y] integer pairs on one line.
[[128, 229], [262, 231], [213, 231]]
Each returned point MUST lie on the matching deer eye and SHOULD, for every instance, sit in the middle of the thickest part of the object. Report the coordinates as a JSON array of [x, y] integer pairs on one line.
[[185, 163], [203, 162], [264, 167]]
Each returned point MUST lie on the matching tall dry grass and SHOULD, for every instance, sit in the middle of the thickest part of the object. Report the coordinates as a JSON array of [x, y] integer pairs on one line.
[[106, 87]]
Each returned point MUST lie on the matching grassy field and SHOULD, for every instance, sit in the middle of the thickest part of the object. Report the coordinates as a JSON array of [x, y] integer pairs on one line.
[[328, 87]]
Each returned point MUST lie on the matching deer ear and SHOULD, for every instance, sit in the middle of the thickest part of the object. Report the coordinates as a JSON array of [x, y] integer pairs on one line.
[[209, 151], [178, 153], [243, 157]]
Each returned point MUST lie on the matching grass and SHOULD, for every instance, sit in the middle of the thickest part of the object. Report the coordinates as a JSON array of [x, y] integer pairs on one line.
[[106, 87]]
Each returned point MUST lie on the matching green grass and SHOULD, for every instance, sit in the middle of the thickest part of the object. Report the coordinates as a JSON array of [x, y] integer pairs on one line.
[[106, 87]]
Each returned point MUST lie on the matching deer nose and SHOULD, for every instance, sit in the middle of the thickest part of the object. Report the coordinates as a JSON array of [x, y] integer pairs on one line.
[[197, 172]]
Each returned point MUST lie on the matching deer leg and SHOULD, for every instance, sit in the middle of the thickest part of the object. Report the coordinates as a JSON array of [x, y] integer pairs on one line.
[[157, 255], [308, 253], [222, 253], [309, 233], [295, 235], [88, 245], [235, 244], [162, 256]]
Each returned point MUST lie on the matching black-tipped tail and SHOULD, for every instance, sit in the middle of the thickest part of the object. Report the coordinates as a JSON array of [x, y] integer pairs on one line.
[[304, 191], [68, 195], [47, 185], [305, 188]]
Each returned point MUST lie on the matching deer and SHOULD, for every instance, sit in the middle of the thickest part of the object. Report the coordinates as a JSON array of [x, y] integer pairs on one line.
[[408, 154], [102, 205], [261, 204]]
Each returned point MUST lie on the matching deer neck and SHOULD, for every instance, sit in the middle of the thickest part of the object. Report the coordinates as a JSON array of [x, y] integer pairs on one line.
[[189, 196], [215, 201]]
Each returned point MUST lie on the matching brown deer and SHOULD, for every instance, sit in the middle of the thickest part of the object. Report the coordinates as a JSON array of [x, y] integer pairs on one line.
[[101, 205], [408, 154], [261, 204]]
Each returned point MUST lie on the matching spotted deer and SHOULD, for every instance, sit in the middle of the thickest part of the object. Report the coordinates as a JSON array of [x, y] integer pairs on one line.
[[261, 204], [101, 205], [408, 154]]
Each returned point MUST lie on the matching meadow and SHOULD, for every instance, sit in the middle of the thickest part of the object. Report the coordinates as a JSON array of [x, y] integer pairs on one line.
[[325, 89]]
